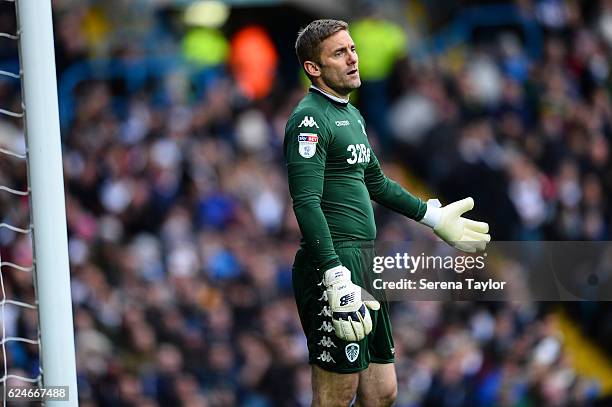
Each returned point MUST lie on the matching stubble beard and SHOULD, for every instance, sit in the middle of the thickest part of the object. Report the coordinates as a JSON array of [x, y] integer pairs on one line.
[[344, 88]]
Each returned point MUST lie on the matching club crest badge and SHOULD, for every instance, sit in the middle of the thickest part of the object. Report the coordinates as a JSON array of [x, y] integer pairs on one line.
[[307, 144], [352, 352]]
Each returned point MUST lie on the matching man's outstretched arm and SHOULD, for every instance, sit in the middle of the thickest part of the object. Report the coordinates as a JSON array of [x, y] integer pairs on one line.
[[390, 194], [447, 221]]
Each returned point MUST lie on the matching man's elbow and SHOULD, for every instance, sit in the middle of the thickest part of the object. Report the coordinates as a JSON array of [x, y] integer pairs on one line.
[[376, 193], [310, 202]]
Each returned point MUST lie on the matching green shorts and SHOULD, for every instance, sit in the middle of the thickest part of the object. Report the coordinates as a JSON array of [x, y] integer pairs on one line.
[[325, 349]]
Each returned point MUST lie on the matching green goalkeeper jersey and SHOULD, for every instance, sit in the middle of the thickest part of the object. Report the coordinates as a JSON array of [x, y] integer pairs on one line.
[[333, 174]]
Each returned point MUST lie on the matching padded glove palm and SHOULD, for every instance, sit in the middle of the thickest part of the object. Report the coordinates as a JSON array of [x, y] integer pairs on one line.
[[462, 233]]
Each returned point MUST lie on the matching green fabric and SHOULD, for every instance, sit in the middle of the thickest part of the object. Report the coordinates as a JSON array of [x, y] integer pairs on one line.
[[205, 46], [325, 349], [379, 44], [332, 190]]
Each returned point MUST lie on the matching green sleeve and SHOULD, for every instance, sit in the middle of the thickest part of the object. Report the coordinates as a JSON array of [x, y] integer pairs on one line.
[[305, 175], [390, 194]]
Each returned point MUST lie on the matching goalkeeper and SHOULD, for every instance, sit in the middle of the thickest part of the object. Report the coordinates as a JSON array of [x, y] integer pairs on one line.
[[333, 176]]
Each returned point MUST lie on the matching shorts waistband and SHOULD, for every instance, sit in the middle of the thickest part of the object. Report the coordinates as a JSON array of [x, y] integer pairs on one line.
[[350, 244]]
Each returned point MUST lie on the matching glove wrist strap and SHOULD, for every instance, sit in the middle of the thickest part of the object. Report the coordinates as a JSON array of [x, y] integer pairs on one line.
[[336, 275], [433, 214]]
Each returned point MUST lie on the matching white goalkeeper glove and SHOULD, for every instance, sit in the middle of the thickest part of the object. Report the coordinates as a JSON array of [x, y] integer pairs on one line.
[[350, 316], [446, 221]]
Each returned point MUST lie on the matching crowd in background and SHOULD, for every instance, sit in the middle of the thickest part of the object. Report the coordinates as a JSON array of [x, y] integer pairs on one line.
[[181, 232]]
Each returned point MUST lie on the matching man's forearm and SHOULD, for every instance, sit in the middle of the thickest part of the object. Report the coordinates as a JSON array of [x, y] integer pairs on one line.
[[391, 195], [315, 232]]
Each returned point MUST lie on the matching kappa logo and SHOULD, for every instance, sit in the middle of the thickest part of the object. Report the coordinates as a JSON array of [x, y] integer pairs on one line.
[[327, 342], [323, 297], [325, 356], [326, 326], [326, 312], [342, 123], [352, 352], [309, 121]]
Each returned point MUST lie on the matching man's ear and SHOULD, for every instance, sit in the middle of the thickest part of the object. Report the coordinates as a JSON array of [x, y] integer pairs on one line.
[[312, 68]]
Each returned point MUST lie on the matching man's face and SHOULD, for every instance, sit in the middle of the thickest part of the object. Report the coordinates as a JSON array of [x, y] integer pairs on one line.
[[339, 63]]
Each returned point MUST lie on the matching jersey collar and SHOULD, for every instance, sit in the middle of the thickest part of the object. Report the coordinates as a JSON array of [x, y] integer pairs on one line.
[[333, 98]]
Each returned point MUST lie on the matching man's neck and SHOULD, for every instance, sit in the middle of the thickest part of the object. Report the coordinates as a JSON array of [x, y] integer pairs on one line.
[[330, 92]]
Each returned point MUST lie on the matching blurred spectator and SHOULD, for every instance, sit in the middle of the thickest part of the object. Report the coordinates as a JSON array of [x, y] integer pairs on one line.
[[253, 61]]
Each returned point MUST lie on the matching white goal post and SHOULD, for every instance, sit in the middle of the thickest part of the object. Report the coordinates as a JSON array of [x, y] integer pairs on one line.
[[48, 211]]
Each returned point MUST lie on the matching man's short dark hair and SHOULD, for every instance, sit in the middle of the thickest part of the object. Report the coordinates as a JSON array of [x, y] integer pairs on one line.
[[309, 39]]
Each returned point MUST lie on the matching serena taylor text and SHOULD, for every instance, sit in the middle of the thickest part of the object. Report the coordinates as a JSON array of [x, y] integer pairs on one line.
[[425, 284]]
